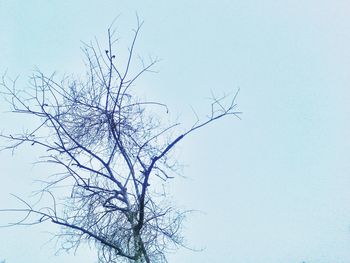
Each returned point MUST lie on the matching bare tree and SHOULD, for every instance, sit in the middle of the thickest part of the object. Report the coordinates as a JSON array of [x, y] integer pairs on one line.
[[112, 150]]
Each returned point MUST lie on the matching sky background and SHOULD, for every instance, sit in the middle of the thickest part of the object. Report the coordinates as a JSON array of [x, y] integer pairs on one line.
[[273, 187]]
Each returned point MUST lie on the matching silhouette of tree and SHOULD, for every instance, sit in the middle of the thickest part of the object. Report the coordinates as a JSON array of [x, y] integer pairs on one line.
[[111, 149]]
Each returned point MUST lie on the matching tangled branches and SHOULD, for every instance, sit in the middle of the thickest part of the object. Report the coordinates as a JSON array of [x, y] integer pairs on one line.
[[111, 148]]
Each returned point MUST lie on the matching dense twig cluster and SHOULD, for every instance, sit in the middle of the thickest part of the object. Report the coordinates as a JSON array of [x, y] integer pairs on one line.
[[111, 148]]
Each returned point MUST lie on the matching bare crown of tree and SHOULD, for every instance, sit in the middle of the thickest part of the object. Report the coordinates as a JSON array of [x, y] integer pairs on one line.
[[111, 148]]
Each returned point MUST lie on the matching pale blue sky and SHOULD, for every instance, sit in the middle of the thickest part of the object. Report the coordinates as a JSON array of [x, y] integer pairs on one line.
[[274, 187]]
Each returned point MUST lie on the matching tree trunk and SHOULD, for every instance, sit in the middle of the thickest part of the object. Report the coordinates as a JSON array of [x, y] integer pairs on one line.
[[138, 247]]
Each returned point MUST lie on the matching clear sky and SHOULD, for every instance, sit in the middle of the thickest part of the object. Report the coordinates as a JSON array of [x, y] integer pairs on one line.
[[273, 187]]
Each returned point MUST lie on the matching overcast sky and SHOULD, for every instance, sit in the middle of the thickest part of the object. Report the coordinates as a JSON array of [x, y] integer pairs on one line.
[[273, 187]]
